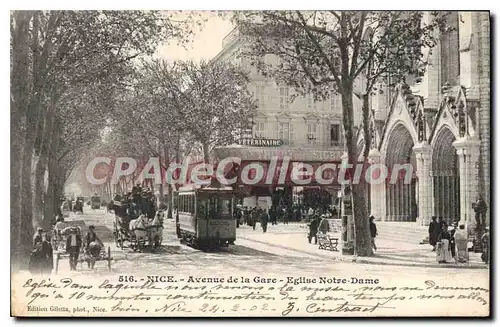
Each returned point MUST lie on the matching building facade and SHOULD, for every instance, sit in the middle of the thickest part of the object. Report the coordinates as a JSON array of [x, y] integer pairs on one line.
[[310, 131], [301, 123], [439, 124]]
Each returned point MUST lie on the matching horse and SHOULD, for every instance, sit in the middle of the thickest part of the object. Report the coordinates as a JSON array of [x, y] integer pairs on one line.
[[138, 227], [160, 215], [156, 230]]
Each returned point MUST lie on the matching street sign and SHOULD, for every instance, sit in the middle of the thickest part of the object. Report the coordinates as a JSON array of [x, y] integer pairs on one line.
[[260, 142]]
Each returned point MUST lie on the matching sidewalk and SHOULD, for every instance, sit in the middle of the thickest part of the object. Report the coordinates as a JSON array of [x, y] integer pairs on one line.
[[293, 237]]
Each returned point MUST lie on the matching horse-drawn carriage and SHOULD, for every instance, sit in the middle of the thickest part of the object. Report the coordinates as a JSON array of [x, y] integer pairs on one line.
[[62, 230], [78, 206], [135, 230], [95, 202]]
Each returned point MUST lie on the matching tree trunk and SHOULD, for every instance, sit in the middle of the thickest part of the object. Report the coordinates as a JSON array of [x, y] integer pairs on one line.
[[206, 153], [170, 200], [58, 184], [362, 237], [51, 201], [50, 197], [48, 137], [26, 223], [19, 101]]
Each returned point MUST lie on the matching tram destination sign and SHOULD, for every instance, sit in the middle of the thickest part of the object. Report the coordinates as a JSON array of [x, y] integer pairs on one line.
[[260, 142]]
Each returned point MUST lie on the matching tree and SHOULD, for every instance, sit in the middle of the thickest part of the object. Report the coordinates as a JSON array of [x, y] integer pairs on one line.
[[325, 52], [213, 101], [54, 52]]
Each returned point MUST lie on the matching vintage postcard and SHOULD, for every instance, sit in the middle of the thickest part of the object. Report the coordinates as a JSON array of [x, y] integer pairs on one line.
[[250, 164]]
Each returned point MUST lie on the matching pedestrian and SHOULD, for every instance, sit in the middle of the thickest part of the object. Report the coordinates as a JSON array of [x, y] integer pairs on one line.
[[237, 216], [434, 231], [272, 215], [441, 223], [313, 230], [41, 257], [373, 232], [287, 215], [93, 246], [264, 218], [443, 254], [298, 214], [453, 245], [485, 239], [324, 226], [73, 245], [254, 217], [461, 240], [38, 237]]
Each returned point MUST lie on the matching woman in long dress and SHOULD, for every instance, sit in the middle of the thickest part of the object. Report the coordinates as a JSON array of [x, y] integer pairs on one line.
[[444, 253], [461, 240]]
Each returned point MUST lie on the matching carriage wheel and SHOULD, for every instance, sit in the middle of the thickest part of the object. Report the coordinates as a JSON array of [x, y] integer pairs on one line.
[[109, 258]]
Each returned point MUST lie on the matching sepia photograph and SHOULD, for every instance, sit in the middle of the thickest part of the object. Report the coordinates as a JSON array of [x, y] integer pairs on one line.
[[258, 163]]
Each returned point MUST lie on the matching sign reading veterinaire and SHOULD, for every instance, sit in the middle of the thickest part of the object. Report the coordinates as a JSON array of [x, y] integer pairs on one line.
[[261, 142]]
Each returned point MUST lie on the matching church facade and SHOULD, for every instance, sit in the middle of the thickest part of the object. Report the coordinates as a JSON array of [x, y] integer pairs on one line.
[[442, 128]]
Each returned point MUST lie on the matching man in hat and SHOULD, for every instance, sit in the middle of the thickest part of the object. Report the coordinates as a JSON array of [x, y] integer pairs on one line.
[[73, 245]]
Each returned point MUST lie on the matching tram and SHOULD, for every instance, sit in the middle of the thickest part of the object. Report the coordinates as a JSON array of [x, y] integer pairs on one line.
[[205, 216]]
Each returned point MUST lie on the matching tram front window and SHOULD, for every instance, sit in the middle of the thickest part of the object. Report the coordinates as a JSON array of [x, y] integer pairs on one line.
[[218, 208]]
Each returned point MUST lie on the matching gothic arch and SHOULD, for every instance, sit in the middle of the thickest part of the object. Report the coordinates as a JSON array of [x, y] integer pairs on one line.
[[445, 175], [401, 113], [401, 190]]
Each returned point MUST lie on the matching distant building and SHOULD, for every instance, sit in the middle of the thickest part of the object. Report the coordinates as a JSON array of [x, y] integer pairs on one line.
[[310, 131]]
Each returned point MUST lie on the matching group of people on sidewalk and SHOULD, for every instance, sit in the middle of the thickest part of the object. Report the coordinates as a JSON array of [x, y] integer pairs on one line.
[[41, 257], [452, 245], [319, 224]]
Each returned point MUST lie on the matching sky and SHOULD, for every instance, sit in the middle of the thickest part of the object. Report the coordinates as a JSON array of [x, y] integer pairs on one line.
[[205, 43]]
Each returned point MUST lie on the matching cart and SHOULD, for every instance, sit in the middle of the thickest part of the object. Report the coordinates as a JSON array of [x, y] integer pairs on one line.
[[60, 234]]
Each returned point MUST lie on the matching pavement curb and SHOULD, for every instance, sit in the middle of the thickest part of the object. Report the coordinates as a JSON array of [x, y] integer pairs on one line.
[[444, 266], [368, 261]]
